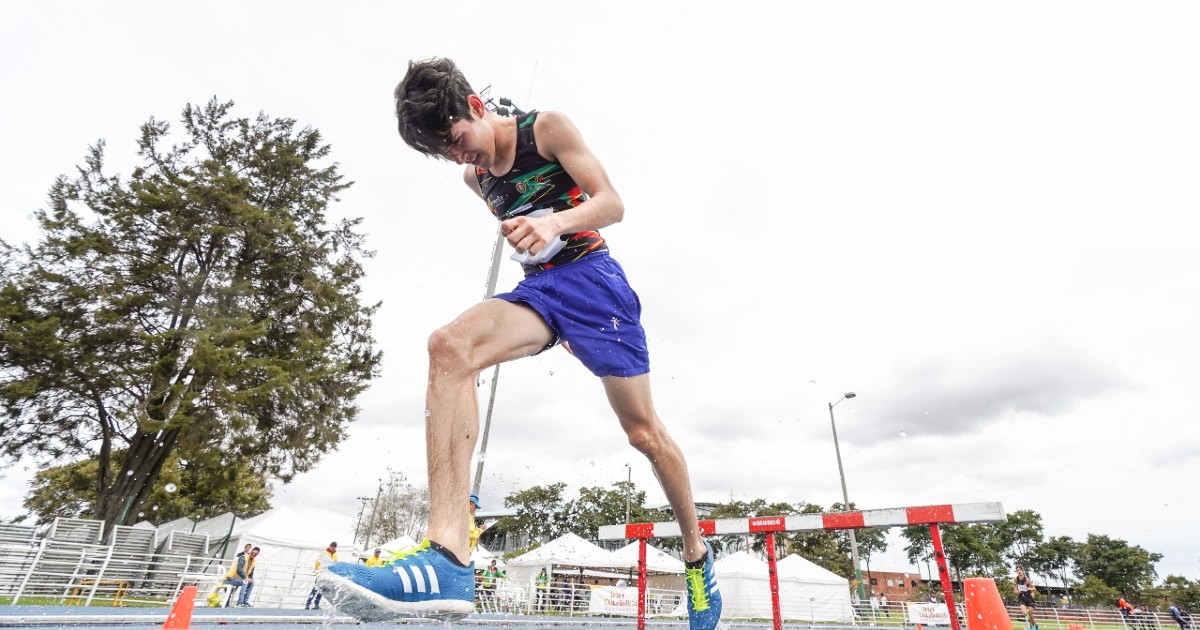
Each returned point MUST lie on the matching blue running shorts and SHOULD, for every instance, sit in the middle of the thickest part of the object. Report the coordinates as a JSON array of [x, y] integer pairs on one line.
[[590, 305]]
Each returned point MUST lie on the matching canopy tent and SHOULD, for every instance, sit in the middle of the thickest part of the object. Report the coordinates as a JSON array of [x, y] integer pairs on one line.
[[657, 560], [565, 551], [568, 550], [290, 541], [806, 591], [482, 557]]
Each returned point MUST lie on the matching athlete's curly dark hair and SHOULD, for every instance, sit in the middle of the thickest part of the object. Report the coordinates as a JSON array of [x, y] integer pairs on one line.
[[429, 100]]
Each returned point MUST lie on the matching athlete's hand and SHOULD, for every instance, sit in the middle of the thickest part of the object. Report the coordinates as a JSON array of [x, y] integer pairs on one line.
[[529, 234]]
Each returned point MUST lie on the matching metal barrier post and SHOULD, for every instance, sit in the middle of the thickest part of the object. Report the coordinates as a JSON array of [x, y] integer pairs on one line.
[[99, 577], [944, 574], [641, 584], [773, 575], [32, 568]]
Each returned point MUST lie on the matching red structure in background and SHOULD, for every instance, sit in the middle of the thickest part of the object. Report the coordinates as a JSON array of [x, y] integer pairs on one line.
[[931, 515]]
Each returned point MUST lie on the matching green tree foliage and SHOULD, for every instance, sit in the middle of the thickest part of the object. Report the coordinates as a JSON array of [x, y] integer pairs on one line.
[[1019, 536], [1127, 569], [1094, 593], [974, 549], [540, 513], [1180, 591], [1055, 557], [197, 488], [597, 506], [203, 305], [918, 546]]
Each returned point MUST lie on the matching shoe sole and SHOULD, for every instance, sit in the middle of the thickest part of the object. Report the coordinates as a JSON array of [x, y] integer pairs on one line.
[[369, 606]]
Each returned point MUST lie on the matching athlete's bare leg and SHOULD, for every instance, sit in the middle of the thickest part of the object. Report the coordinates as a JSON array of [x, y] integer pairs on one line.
[[491, 332], [630, 399]]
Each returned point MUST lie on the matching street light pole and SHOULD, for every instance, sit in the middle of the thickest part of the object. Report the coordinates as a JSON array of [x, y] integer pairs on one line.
[[628, 490], [846, 501]]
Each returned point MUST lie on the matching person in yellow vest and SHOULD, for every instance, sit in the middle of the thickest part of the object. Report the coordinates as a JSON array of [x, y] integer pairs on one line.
[[327, 557], [476, 529], [543, 589], [241, 575], [375, 560], [488, 583]]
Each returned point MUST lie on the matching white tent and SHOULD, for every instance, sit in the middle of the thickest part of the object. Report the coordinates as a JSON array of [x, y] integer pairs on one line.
[[482, 557], [657, 560], [567, 550], [290, 542], [806, 591]]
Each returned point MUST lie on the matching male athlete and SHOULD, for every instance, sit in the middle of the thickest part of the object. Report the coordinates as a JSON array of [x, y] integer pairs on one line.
[[551, 195], [1025, 590]]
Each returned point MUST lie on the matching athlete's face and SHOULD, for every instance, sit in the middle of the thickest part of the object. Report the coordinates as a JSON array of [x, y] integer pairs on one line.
[[467, 144], [471, 141]]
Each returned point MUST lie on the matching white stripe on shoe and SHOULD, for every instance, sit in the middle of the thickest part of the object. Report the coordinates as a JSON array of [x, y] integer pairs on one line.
[[419, 579], [398, 569], [433, 581]]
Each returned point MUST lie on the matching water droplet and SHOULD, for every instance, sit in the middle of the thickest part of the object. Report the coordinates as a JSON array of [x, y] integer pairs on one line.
[[551, 372], [141, 514], [428, 413], [154, 509], [904, 434], [128, 473], [183, 462], [169, 488]]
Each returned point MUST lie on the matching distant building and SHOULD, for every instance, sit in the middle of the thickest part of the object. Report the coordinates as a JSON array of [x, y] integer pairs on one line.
[[897, 586]]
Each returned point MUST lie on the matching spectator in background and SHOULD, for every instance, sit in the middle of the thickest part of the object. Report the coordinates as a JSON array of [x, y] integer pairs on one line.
[[883, 605], [375, 560], [244, 551], [543, 589], [476, 527], [326, 558], [1125, 607], [874, 605], [1182, 618], [241, 575], [490, 575]]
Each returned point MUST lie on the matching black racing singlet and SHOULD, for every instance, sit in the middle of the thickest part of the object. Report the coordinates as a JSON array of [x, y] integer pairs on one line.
[[535, 183]]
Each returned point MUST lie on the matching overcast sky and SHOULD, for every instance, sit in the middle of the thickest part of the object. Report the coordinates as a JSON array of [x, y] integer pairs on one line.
[[980, 217]]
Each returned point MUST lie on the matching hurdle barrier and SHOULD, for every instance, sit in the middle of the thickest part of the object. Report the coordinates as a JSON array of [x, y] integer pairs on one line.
[[929, 515]]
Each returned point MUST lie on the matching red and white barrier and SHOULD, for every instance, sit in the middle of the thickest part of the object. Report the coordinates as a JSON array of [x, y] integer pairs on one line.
[[888, 517], [930, 515]]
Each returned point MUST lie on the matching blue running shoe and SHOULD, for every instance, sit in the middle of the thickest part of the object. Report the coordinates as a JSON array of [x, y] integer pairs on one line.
[[417, 583], [704, 596]]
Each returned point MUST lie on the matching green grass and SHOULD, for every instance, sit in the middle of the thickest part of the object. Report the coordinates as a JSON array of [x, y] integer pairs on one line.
[[42, 600]]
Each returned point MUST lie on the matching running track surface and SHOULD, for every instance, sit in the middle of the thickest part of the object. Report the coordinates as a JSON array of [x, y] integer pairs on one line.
[[97, 618]]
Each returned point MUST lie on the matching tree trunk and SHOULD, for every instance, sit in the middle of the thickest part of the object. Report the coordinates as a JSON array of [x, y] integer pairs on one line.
[[145, 458]]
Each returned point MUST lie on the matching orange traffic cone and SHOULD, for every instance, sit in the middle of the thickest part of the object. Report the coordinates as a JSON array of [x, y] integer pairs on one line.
[[181, 613], [985, 609]]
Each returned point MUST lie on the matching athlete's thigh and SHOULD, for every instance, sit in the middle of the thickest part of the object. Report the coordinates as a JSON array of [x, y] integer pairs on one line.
[[495, 331], [630, 399]]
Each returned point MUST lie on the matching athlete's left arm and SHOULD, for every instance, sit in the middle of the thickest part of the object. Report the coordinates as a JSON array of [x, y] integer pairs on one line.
[[559, 140]]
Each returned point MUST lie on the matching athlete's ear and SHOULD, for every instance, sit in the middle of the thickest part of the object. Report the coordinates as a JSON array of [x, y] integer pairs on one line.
[[476, 106]]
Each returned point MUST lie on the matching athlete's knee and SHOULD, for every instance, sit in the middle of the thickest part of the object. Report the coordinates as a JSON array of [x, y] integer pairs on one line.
[[449, 352], [648, 439]]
